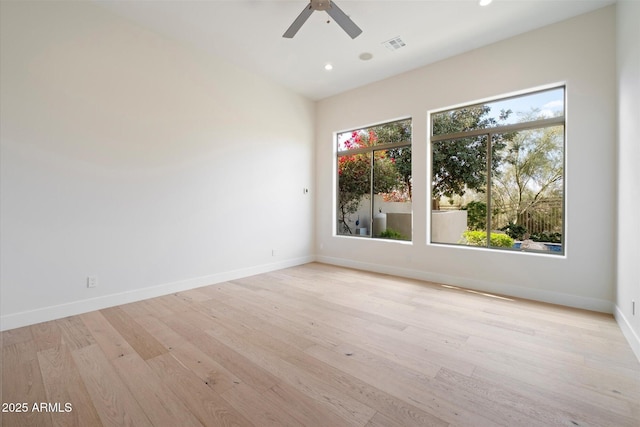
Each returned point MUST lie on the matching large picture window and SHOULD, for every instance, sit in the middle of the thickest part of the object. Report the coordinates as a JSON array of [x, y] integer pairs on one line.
[[498, 173], [374, 181]]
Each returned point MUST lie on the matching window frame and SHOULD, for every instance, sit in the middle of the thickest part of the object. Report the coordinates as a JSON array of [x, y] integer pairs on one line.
[[489, 132], [370, 151]]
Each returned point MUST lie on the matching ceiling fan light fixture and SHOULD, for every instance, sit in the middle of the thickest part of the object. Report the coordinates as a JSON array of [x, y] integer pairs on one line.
[[320, 4], [332, 9]]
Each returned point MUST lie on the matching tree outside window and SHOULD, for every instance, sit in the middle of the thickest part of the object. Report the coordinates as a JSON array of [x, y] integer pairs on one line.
[[374, 181]]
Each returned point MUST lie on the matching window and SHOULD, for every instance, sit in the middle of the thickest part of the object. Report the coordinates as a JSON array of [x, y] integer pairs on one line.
[[374, 181], [498, 173]]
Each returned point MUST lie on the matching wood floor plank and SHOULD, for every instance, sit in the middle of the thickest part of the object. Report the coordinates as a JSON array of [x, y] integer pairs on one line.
[[14, 336], [204, 403], [194, 295], [260, 411], [303, 408], [204, 365], [160, 404], [564, 401], [384, 400], [140, 309], [381, 420], [168, 305], [113, 401], [108, 338], [551, 376], [22, 384], [500, 405], [64, 386], [354, 388], [234, 361], [294, 322], [46, 335], [137, 337], [241, 320], [426, 352], [411, 387], [74, 333], [342, 327], [335, 399], [213, 291], [287, 297], [545, 382]]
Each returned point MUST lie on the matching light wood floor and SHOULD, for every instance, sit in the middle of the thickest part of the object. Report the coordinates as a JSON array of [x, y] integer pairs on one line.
[[317, 345]]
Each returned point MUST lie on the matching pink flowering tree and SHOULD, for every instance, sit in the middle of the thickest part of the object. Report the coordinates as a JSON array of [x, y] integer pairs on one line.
[[354, 173]]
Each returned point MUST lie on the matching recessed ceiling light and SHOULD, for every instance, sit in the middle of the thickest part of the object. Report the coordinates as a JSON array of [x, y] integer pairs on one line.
[[485, 2], [328, 67], [365, 56]]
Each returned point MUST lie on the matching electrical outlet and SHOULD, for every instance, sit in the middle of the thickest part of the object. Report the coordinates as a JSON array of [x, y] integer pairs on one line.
[[273, 252], [92, 281]]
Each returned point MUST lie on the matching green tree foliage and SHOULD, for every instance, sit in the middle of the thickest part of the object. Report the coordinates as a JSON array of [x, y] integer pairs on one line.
[[479, 238], [515, 231], [461, 164], [531, 173], [390, 233], [476, 215], [398, 132]]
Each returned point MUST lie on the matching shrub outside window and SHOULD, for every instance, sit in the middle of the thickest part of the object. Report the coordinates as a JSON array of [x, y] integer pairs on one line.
[[374, 181], [498, 174]]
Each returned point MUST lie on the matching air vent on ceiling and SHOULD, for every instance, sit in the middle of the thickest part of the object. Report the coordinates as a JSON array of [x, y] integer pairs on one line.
[[394, 43]]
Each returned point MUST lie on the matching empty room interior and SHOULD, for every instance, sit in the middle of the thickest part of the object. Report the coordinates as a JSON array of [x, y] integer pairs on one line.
[[367, 213]]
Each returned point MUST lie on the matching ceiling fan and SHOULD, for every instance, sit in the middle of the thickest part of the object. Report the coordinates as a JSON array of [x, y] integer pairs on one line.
[[332, 9]]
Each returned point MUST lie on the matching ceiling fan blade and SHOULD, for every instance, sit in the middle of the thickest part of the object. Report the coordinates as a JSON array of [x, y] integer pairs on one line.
[[343, 20], [297, 24]]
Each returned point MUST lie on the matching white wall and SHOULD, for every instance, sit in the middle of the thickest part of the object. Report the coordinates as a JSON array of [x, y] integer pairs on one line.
[[579, 52], [139, 160], [628, 268]]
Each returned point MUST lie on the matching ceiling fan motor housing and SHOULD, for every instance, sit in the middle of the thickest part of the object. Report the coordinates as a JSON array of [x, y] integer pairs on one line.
[[320, 4]]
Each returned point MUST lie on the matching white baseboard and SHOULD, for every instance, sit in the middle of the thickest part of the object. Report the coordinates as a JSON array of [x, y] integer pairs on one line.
[[628, 332], [593, 304], [45, 314]]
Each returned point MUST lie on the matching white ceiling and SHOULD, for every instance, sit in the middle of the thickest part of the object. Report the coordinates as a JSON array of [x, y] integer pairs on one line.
[[249, 33]]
